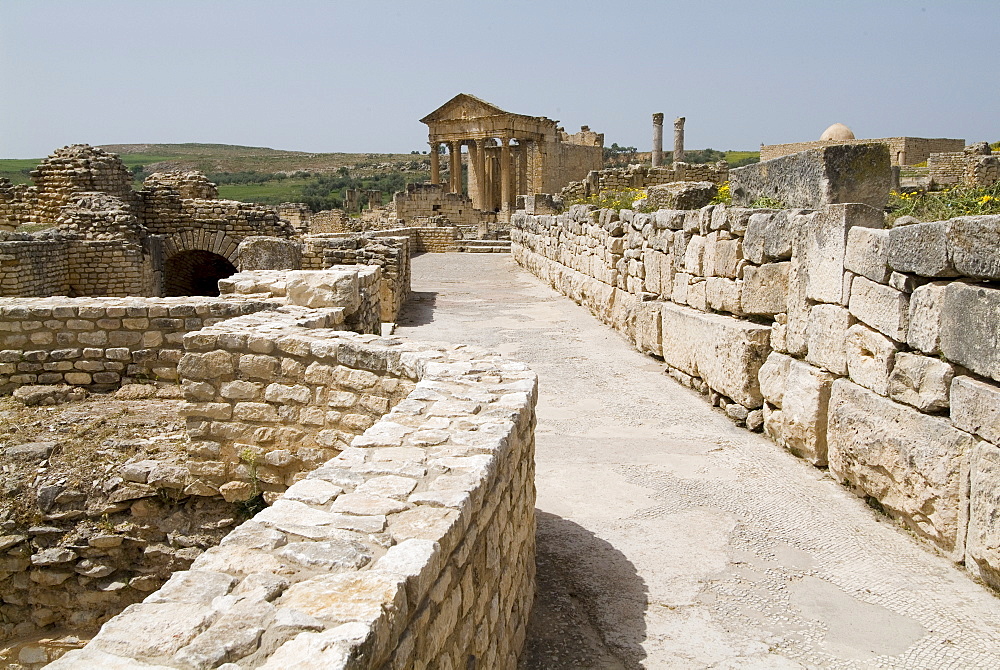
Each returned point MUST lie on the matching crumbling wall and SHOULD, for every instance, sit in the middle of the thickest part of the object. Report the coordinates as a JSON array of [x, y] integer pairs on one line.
[[643, 176], [963, 168], [902, 150], [868, 350], [422, 201], [414, 547]]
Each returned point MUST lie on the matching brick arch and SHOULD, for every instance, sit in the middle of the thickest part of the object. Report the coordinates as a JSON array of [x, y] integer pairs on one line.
[[194, 261], [213, 241]]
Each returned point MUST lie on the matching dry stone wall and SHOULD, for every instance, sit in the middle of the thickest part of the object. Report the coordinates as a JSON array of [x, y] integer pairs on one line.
[[868, 350], [963, 168], [414, 547], [902, 150], [643, 176]]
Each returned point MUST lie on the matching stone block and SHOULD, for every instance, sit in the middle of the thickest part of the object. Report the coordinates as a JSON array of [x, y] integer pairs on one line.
[[970, 328], [921, 248], [723, 295], [975, 407], [882, 307], [921, 381], [924, 330], [965, 246], [826, 333], [843, 173], [913, 464], [867, 253], [821, 245], [725, 352], [694, 256], [327, 288], [765, 288], [648, 321], [268, 253], [802, 392], [982, 548], [769, 237], [722, 256], [682, 194], [869, 358], [771, 377]]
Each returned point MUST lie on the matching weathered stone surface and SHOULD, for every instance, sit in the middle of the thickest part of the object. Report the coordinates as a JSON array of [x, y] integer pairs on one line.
[[834, 174], [802, 392], [869, 358], [765, 288], [648, 321], [327, 288], [153, 631], [911, 463], [343, 555], [821, 245], [965, 246], [975, 407], [268, 253], [921, 381], [826, 334], [769, 236], [682, 194], [970, 328], [722, 255], [724, 351], [723, 295], [90, 657], [982, 548], [924, 330], [868, 253], [197, 587]]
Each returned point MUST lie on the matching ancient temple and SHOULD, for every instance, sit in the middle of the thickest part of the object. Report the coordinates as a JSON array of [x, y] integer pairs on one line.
[[508, 154]]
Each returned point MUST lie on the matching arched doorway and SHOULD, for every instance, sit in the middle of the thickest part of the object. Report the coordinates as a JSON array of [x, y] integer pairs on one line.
[[195, 273]]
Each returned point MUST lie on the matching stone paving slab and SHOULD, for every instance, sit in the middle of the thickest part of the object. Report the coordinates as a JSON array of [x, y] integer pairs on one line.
[[668, 537]]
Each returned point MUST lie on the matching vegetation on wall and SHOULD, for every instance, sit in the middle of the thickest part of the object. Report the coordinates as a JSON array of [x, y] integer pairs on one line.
[[945, 204]]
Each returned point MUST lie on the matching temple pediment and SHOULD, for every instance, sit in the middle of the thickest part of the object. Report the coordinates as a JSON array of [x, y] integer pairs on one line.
[[462, 107]]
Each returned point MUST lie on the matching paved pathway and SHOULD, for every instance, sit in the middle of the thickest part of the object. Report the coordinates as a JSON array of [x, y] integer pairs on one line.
[[669, 538]]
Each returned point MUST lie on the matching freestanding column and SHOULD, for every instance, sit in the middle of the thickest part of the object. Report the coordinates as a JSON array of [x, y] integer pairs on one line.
[[679, 139], [522, 169], [505, 175], [435, 164], [657, 139], [456, 167]]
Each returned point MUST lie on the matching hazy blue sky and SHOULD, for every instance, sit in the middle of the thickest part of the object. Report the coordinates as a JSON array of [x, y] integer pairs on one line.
[[358, 76]]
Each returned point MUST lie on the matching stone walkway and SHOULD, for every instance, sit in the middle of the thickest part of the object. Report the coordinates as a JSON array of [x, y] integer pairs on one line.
[[669, 538]]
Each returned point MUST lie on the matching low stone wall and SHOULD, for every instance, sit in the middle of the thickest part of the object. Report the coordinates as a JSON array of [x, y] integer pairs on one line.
[[962, 168], [902, 150], [414, 547], [427, 239], [643, 176], [867, 350]]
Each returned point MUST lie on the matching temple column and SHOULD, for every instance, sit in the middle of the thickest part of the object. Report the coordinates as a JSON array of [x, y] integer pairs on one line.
[[505, 175], [435, 163], [522, 169], [479, 158], [455, 166], [657, 139], [679, 139]]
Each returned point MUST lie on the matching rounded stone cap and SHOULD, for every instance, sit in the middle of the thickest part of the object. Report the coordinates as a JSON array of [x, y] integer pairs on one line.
[[837, 131]]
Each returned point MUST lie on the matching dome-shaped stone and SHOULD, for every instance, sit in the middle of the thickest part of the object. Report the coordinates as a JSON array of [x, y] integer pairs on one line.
[[837, 131]]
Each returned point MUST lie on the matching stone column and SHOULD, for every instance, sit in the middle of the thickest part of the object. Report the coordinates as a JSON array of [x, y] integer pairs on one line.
[[522, 169], [374, 199], [679, 139], [455, 166], [505, 175], [435, 163], [657, 139], [479, 157]]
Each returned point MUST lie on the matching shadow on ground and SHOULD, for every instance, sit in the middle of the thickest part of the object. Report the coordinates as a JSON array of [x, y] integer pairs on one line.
[[418, 309], [589, 610]]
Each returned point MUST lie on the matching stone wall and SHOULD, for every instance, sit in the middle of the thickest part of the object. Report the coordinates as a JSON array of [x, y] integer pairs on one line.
[[867, 350], [962, 168], [423, 201], [643, 176], [902, 150], [414, 547]]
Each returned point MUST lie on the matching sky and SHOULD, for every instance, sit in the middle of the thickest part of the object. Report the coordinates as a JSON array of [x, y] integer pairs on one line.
[[332, 76]]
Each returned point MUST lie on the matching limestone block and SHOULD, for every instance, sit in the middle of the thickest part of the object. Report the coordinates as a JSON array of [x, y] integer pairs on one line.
[[882, 307], [722, 256], [826, 333], [682, 194], [795, 336], [769, 237], [725, 352], [328, 288], [697, 296], [806, 398], [867, 253], [967, 246], [913, 464], [772, 376], [268, 253], [153, 630], [648, 321], [982, 549], [682, 281], [765, 288], [869, 358], [921, 381], [924, 331], [858, 173], [975, 407], [970, 328], [694, 256], [723, 295], [822, 245]]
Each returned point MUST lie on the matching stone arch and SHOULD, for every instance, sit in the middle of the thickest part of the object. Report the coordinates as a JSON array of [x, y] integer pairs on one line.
[[195, 260]]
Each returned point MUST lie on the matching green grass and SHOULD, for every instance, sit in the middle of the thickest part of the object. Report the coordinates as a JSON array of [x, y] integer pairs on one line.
[[734, 156], [268, 193], [945, 204]]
